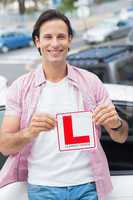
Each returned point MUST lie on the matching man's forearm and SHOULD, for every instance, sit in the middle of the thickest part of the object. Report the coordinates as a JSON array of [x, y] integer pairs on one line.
[[12, 143]]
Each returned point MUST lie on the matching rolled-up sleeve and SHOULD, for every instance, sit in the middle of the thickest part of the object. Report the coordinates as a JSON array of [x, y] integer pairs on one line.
[[102, 96], [13, 99]]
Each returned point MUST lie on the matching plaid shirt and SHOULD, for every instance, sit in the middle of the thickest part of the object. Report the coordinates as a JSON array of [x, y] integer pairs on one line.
[[22, 100]]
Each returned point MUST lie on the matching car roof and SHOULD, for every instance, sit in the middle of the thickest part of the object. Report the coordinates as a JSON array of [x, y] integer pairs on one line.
[[10, 31], [99, 54], [121, 93]]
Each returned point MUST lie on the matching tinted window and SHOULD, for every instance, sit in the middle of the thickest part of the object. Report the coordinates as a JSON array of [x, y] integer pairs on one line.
[[120, 155], [101, 72]]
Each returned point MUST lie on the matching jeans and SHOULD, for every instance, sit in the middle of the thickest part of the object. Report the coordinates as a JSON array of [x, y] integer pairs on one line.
[[78, 192]]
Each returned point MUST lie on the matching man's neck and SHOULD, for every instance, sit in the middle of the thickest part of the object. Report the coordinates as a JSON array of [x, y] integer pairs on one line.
[[56, 72]]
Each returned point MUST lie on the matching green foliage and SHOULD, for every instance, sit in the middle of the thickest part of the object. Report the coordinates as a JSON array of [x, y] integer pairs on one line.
[[103, 1], [66, 6]]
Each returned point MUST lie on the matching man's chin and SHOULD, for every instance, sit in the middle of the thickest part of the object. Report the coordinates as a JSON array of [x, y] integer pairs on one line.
[[56, 60]]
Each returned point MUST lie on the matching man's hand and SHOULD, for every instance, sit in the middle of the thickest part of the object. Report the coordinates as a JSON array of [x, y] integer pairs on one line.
[[40, 122], [106, 115]]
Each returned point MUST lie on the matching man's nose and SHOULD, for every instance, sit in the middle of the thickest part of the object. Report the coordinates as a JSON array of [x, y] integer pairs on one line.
[[55, 42]]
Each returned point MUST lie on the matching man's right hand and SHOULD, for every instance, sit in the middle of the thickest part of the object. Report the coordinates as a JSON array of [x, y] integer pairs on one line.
[[12, 139], [40, 122]]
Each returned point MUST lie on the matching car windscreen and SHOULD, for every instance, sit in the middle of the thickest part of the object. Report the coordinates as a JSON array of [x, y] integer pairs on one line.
[[120, 155], [124, 71]]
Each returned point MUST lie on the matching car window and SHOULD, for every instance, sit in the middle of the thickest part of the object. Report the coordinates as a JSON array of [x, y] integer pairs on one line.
[[120, 155], [125, 72], [2, 158]]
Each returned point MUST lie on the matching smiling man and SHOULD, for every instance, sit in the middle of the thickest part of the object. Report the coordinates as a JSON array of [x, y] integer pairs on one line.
[[29, 134]]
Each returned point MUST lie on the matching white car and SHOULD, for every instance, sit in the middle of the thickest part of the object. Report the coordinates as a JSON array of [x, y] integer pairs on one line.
[[99, 32], [111, 28], [120, 155]]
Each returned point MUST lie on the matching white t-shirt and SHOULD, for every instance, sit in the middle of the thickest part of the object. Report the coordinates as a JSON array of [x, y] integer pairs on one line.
[[46, 164]]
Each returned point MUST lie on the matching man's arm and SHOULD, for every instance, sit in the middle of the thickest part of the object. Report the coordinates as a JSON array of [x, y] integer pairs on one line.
[[12, 139], [107, 116]]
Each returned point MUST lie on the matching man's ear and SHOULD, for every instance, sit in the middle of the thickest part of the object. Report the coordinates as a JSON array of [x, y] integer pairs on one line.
[[70, 39], [37, 42]]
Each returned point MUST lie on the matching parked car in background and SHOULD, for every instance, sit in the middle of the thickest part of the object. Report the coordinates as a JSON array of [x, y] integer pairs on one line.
[[112, 64], [109, 29], [14, 39]]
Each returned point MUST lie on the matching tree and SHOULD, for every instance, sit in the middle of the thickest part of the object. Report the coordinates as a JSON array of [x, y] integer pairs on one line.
[[21, 6], [67, 5]]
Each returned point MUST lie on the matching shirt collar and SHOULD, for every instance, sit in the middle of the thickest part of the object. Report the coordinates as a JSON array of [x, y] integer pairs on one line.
[[41, 79], [39, 76]]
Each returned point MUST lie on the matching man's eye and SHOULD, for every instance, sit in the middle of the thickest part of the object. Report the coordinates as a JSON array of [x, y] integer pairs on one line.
[[47, 36], [61, 36]]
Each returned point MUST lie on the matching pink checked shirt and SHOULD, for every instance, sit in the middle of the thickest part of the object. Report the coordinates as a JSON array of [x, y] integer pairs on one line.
[[22, 99]]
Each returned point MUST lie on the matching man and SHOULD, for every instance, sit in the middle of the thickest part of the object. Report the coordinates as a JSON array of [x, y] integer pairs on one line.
[[28, 131]]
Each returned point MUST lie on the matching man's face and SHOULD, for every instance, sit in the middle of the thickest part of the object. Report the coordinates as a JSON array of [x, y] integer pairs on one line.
[[54, 41]]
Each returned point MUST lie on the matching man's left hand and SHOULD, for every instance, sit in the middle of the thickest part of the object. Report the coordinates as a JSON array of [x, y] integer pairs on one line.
[[107, 116]]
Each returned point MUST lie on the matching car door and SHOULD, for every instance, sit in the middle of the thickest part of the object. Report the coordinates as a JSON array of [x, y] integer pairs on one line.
[[20, 39], [10, 40], [23, 39]]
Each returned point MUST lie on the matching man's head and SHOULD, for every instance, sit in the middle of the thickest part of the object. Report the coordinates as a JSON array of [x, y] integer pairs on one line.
[[48, 16]]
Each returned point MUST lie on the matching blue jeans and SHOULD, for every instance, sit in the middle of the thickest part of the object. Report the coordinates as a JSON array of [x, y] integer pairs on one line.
[[78, 192]]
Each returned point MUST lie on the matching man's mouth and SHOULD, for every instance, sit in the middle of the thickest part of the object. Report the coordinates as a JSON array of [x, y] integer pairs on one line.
[[55, 51]]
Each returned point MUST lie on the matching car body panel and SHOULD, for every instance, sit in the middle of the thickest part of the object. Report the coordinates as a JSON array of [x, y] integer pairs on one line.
[[120, 92], [122, 188]]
